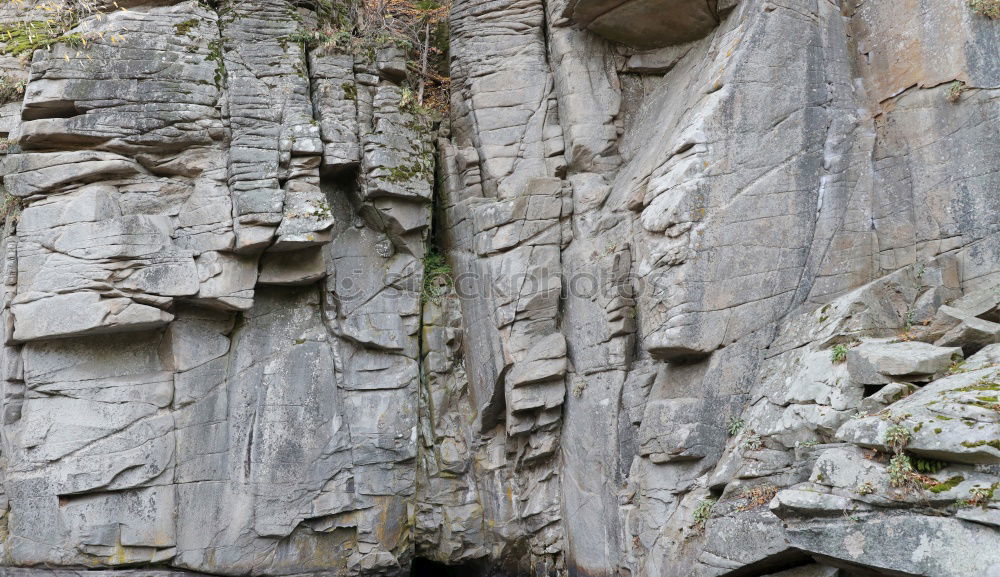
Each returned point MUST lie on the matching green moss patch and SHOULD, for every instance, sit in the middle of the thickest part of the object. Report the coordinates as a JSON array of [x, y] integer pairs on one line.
[[943, 486], [184, 28], [26, 37]]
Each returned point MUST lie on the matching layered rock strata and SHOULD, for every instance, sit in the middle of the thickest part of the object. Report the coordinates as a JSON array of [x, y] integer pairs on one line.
[[677, 288]]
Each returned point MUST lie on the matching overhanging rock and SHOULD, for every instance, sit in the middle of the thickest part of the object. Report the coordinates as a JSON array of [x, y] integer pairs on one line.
[[646, 23]]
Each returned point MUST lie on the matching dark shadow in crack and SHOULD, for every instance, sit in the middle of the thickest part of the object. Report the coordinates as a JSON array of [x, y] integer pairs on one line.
[[422, 567]]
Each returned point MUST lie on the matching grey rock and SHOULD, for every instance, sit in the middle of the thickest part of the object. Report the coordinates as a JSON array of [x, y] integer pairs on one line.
[[808, 504], [30, 174], [989, 356], [875, 363], [952, 419], [989, 517], [335, 103], [298, 268], [969, 331], [657, 61], [644, 23], [886, 396], [263, 316], [84, 313], [858, 545], [544, 362]]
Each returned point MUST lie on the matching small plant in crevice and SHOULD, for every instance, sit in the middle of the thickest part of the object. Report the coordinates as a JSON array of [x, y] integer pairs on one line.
[[987, 8], [758, 496], [979, 497], [736, 425], [11, 89], [955, 91], [902, 475], [184, 28], [10, 209], [702, 512], [927, 466], [321, 209], [866, 488], [838, 353], [350, 90], [957, 367], [897, 437], [824, 313], [752, 441], [943, 486], [437, 277]]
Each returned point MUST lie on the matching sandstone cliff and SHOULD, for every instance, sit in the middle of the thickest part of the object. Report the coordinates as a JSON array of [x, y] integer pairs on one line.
[[674, 288]]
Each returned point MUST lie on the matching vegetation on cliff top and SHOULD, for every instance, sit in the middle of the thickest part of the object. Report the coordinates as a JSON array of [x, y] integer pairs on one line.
[[51, 22], [419, 28]]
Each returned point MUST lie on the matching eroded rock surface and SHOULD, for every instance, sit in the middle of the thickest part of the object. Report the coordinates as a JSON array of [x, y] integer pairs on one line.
[[677, 288]]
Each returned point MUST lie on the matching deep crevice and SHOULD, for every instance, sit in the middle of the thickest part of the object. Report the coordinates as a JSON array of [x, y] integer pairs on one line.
[[871, 390], [50, 110], [782, 561], [423, 567]]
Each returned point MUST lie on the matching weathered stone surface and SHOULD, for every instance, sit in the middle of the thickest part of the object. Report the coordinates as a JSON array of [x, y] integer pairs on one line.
[[299, 268], [81, 314], [674, 288], [917, 541], [646, 23], [969, 330], [952, 419], [335, 104], [876, 363]]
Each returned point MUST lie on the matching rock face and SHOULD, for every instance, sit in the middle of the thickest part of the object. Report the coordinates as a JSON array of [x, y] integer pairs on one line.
[[678, 288]]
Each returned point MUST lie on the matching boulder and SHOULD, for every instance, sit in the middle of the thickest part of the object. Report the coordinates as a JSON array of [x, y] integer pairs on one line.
[[953, 419], [646, 23], [882, 362]]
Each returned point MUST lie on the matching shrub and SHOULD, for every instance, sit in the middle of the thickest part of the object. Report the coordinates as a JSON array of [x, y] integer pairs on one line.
[[10, 209], [897, 437], [865, 488], [838, 353], [417, 27], [753, 441], [979, 496], [437, 277], [956, 90], [901, 473], [703, 511], [987, 8], [11, 89]]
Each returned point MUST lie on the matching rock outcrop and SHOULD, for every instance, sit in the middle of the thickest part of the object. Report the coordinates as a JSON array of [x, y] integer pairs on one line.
[[678, 288]]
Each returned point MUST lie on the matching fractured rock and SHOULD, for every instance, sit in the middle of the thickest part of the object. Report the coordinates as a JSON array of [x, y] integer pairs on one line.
[[877, 363]]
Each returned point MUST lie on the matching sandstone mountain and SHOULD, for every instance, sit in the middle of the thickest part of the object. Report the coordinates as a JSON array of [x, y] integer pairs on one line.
[[670, 288]]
